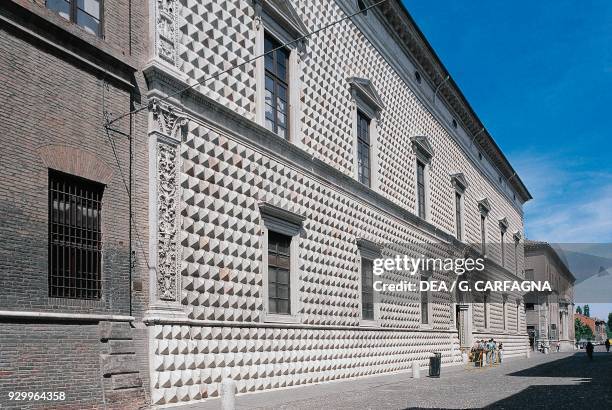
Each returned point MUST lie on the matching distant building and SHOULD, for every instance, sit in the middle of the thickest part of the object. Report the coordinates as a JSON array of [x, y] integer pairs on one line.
[[598, 326], [550, 314]]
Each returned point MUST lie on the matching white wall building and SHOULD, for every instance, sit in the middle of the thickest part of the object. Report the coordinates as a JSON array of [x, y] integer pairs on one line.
[[274, 186]]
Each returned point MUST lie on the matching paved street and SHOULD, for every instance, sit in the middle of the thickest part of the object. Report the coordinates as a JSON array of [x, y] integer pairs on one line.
[[557, 380]]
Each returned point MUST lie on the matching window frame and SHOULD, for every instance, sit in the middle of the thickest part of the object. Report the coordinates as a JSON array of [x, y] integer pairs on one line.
[[278, 268], [425, 277], [283, 222], [368, 251], [518, 315], [277, 83], [504, 312], [485, 311], [459, 215], [361, 142], [95, 236], [73, 15], [421, 194], [284, 29]]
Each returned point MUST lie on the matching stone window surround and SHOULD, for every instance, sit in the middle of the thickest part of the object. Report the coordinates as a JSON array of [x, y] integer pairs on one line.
[[503, 228], [423, 152], [287, 223], [426, 276], [284, 29], [368, 250], [366, 100], [460, 185]]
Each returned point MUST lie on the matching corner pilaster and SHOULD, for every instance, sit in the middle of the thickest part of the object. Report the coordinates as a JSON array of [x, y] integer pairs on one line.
[[167, 130]]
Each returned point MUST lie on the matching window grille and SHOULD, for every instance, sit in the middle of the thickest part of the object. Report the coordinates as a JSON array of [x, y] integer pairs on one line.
[[75, 237], [279, 262], [367, 291], [277, 87]]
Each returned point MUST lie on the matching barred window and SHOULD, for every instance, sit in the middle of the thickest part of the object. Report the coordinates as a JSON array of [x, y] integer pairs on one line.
[[277, 87], [75, 237], [279, 267], [421, 188], [363, 148], [85, 13], [367, 289]]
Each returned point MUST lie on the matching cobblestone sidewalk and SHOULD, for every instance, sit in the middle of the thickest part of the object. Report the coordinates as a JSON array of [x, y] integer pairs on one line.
[[557, 380]]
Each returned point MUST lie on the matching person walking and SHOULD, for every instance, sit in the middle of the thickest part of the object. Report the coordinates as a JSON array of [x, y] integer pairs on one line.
[[589, 350], [608, 345]]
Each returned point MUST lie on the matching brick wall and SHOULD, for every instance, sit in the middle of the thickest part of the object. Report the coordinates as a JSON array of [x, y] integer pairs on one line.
[[53, 118]]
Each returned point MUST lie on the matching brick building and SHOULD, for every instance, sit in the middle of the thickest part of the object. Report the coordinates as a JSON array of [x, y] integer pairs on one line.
[[259, 199], [550, 315], [597, 326], [66, 311]]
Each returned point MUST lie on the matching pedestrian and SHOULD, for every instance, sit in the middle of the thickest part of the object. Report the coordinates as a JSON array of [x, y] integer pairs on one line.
[[608, 345], [501, 351], [589, 350], [558, 346]]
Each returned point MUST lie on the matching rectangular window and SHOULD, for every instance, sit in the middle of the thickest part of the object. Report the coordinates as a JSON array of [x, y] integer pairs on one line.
[[363, 148], [516, 257], [367, 291], [529, 306], [85, 13], [421, 188], [485, 307], [483, 233], [75, 237], [529, 274], [458, 221], [277, 87], [504, 313], [279, 267], [503, 249], [424, 304]]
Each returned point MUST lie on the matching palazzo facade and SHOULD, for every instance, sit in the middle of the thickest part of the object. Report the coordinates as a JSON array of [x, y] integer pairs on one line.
[[228, 226], [275, 185]]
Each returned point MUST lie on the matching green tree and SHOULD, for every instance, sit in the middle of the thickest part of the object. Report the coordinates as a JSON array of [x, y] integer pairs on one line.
[[587, 311], [610, 321], [578, 309], [583, 331]]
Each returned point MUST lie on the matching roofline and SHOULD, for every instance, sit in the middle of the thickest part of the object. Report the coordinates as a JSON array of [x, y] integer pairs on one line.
[[545, 246], [510, 173]]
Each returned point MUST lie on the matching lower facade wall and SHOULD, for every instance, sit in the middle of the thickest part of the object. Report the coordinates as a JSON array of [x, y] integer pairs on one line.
[[44, 357], [91, 364], [189, 362]]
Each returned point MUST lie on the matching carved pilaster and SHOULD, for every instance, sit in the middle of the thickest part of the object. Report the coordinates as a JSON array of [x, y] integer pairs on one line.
[[168, 127], [166, 29]]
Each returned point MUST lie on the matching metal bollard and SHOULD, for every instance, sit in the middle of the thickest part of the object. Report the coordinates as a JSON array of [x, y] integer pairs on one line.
[[416, 370], [228, 394]]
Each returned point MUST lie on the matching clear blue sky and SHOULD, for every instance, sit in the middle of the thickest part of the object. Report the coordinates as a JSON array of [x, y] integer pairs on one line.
[[539, 76]]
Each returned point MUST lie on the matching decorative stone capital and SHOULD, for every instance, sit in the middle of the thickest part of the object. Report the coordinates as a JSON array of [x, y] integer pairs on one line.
[[168, 121]]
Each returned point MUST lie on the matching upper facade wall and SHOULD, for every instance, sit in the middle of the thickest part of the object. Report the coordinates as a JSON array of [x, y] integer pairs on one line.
[[214, 35]]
